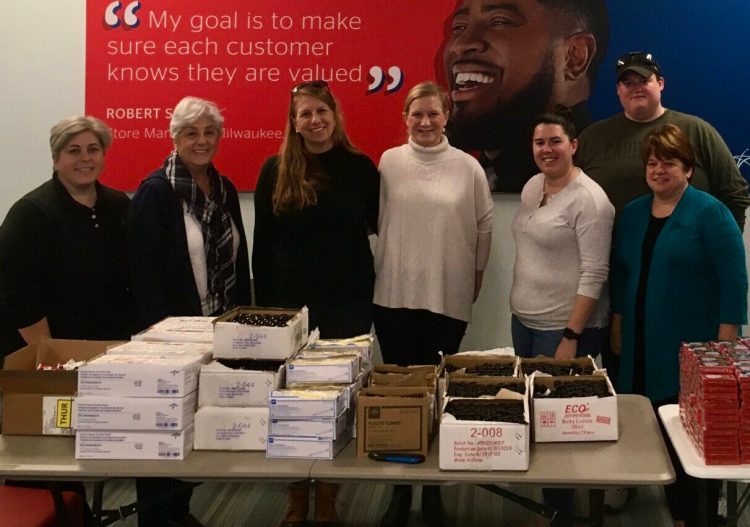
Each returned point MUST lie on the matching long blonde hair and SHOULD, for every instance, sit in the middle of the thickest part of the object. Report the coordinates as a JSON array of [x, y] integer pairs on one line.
[[300, 177]]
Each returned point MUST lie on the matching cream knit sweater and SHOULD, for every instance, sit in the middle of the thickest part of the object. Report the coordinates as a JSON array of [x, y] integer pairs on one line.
[[434, 229]]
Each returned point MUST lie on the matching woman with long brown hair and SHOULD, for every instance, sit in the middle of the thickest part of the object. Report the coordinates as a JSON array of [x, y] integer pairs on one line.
[[316, 202]]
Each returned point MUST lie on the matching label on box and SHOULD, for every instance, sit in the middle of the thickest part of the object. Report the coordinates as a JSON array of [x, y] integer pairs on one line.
[[56, 415], [481, 445], [393, 428]]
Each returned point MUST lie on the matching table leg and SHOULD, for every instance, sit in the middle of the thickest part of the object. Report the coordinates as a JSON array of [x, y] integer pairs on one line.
[[731, 504], [97, 502], [596, 507]]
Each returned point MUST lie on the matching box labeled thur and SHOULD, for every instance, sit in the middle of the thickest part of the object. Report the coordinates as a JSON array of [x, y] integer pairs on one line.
[[24, 387]]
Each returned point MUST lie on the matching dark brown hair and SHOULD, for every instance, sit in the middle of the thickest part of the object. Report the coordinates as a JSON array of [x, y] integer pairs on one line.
[[669, 142]]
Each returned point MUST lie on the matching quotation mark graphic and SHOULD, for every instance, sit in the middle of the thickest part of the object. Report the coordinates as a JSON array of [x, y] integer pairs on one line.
[[379, 77], [129, 18]]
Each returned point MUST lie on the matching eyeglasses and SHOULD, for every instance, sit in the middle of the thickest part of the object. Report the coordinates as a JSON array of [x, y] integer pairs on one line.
[[319, 85], [637, 57]]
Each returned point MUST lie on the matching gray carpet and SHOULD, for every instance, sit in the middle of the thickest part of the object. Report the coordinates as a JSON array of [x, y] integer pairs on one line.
[[362, 504]]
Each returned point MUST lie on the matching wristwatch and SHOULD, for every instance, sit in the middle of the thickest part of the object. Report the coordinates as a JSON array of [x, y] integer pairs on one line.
[[570, 334]]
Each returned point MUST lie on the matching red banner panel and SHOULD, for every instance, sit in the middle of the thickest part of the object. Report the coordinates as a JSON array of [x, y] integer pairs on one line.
[[143, 56]]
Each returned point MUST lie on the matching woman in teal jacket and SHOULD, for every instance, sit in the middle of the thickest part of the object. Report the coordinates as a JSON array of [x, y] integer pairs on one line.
[[678, 274]]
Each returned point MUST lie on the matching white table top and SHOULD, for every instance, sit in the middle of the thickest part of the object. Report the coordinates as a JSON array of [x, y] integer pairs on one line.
[[38, 457], [691, 460], [639, 457]]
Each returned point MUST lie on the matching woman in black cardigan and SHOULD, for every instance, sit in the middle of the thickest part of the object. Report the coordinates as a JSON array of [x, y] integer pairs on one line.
[[188, 253]]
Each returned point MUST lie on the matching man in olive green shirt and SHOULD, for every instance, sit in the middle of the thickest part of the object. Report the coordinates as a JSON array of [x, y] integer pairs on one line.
[[609, 151]]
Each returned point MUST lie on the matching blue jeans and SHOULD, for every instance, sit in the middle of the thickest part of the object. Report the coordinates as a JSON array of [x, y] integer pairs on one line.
[[529, 343], [532, 342]]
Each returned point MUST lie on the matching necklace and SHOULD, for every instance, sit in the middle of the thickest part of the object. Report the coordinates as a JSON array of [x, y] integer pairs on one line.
[[547, 195]]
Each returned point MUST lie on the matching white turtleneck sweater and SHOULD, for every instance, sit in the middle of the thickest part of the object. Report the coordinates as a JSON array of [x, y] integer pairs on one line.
[[434, 229]]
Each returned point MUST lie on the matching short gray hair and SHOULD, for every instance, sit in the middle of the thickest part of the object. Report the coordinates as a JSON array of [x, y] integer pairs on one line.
[[62, 132], [189, 110]]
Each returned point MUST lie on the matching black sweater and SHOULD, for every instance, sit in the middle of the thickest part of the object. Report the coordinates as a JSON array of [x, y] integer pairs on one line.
[[161, 272], [318, 255]]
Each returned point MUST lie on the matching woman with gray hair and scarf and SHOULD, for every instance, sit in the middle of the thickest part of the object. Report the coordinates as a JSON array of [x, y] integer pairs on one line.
[[188, 253]]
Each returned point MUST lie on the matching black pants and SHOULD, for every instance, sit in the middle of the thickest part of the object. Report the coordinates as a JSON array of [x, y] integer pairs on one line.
[[415, 336], [693, 500], [341, 321], [164, 500]]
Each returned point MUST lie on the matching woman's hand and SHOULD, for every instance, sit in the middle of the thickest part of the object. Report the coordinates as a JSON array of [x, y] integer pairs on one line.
[[728, 332], [567, 349]]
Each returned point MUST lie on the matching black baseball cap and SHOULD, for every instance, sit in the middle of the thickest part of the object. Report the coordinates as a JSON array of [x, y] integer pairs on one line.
[[640, 62]]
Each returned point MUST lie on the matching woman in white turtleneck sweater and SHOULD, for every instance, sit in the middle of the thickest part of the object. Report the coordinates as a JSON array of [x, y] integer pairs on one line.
[[434, 235]]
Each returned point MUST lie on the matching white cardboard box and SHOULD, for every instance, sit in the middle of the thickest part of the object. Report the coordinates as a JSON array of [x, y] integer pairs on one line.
[[228, 428], [139, 376], [575, 419], [220, 385], [305, 447], [484, 445], [164, 349], [341, 370], [317, 428], [133, 413], [307, 403], [240, 341], [179, 329], [130, 444], [362, 344]]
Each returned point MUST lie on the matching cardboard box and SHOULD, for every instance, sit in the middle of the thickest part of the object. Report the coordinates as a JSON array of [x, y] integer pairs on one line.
[[229, 428], [24, 387], [350, 390], [342, 369], [307, 403], [179, 329], [363, 344], [484, 445], [574, 419], [134, 444], [241, 341], [165, 349], [573, 366], [459, 362], [133, 413], [317, 428], [139, 376], [393, 419], [305, 447], [222, 385]]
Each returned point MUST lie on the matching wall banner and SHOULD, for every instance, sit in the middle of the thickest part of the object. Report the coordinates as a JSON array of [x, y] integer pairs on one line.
[[143, 56]]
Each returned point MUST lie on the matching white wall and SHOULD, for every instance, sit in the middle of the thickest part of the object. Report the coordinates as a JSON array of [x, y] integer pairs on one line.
[[42, 67]]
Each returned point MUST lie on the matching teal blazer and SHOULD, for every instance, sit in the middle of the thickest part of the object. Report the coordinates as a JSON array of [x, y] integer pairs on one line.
[[697, 279]]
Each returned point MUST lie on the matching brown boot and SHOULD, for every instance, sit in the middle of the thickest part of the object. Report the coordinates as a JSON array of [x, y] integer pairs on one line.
[[325, 504], [299, 503]]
